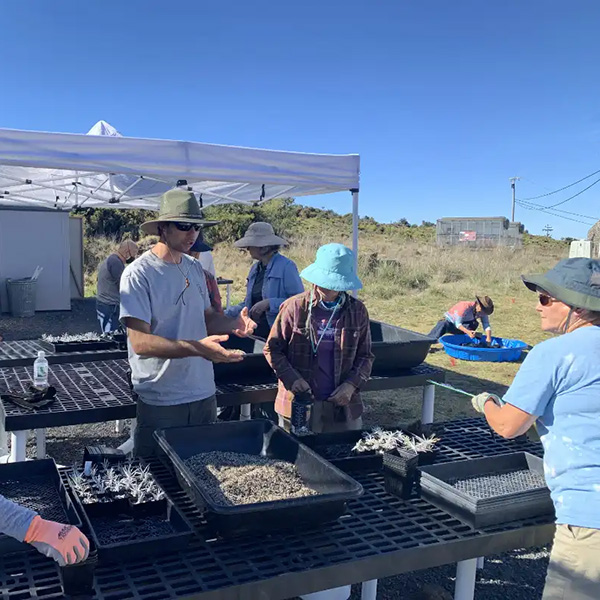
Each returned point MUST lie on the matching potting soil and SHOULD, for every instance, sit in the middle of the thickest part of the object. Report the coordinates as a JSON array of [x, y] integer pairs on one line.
[[120, 531], [232, 478], [498, 484]]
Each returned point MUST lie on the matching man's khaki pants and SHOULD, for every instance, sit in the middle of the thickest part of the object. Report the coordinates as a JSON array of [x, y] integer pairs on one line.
[[574, 569]]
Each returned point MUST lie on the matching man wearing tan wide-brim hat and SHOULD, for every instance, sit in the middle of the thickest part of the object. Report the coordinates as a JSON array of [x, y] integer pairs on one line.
[[174, 335]]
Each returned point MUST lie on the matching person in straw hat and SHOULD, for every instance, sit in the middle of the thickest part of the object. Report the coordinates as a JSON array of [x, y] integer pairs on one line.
[[558, 389], [464, 317], [272, 279], [173, 333], [321, 344]]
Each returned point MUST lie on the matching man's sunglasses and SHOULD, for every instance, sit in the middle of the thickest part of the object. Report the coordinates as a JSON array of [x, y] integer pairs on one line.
[[545, 300], [187, 226]]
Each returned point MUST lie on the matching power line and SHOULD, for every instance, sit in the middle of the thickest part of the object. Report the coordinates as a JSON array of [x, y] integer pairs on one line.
[[575, 195], [542, 208], [564, 188], [553, 214]]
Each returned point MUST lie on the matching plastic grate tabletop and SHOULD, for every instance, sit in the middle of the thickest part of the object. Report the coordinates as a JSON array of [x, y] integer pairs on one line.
[[85, 393], [97, 391], [472, 438], [381, 535], [22, 353]]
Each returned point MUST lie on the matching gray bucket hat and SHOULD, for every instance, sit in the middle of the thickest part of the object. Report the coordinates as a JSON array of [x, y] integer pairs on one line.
[[260, 235], [177, 206], [574, 281]]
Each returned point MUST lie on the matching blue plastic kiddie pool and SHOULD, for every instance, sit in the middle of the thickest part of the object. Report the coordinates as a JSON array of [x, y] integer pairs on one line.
[[507, 350]]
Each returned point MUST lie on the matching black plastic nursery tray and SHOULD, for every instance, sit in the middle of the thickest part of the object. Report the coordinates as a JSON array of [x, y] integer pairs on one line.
[[122, 531], [394, 348], [337, 448], [263, 438], [488, 491], [91, 346], [397, 348], [254, 367], [37, 485]]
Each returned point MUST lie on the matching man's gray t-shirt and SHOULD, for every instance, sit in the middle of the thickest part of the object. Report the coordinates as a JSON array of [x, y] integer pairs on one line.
[[151, 290], [109, 277]]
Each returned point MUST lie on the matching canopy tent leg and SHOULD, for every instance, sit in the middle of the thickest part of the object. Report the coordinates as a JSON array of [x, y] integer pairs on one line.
[[355, 231]]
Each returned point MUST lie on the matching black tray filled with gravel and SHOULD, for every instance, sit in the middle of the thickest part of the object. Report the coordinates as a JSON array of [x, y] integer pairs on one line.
[[126, 511], [339, 450], [493, 490], [37, 485], [253, 477], [84, 342]]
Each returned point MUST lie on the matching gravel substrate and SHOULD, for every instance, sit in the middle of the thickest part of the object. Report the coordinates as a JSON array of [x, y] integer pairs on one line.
[[499, 484], [80, 319], [231, 478]]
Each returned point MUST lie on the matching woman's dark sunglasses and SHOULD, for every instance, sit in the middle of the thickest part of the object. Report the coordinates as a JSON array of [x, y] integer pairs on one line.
[[544, 299], [187, 226]]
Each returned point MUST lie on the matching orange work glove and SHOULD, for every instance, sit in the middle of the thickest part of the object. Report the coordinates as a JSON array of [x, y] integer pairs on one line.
[[64, 543]]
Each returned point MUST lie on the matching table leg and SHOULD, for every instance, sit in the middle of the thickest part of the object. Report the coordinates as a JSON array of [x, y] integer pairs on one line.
[[428, 404], [119, 426], [228, 296], [127, 446], [40, 443], [369, 590], [18, 444], [466, 571], [245, 412], [481, 562]]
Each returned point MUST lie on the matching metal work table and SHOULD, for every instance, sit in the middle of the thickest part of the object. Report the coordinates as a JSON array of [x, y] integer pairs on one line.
[[380, 536], [98, 391], [22, 353]]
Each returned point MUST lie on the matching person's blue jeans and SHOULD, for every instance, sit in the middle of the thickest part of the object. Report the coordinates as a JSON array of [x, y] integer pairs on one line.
[[108, 316], [443, 327]]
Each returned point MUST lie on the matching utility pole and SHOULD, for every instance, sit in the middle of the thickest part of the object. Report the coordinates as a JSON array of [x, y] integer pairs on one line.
[[513, 181], [548, 230]]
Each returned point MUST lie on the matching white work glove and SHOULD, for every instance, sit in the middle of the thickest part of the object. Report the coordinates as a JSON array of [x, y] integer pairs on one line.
[[479, 401]]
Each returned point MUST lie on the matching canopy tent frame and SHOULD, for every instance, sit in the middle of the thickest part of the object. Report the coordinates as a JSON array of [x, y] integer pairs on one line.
[[104, 169]]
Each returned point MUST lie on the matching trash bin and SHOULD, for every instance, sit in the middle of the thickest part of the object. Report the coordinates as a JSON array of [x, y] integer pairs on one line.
[[21, 296]]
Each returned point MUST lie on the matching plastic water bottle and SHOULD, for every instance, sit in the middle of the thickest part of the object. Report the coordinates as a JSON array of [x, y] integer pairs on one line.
[[40, 371]]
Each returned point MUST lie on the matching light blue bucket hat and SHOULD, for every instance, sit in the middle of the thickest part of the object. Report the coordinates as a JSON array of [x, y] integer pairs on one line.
[[333, 269]]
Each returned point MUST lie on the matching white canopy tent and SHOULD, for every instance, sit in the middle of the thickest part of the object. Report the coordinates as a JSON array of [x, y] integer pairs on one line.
[[104, 169]]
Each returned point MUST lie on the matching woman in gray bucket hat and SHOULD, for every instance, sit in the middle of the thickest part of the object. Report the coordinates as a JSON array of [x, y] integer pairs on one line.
[[272, 279], [558, 389]]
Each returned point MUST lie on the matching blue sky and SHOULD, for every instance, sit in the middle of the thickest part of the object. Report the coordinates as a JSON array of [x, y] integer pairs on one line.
[[444, 101]]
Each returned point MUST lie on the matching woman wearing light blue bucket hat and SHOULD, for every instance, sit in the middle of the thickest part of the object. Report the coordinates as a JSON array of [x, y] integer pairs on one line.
[[320, 344]]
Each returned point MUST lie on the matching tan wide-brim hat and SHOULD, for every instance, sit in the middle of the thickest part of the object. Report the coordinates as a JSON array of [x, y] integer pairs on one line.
[[260, 235], [177, 206]]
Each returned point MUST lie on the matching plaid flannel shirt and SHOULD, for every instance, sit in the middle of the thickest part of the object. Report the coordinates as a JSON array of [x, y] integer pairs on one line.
[[289, 352]]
